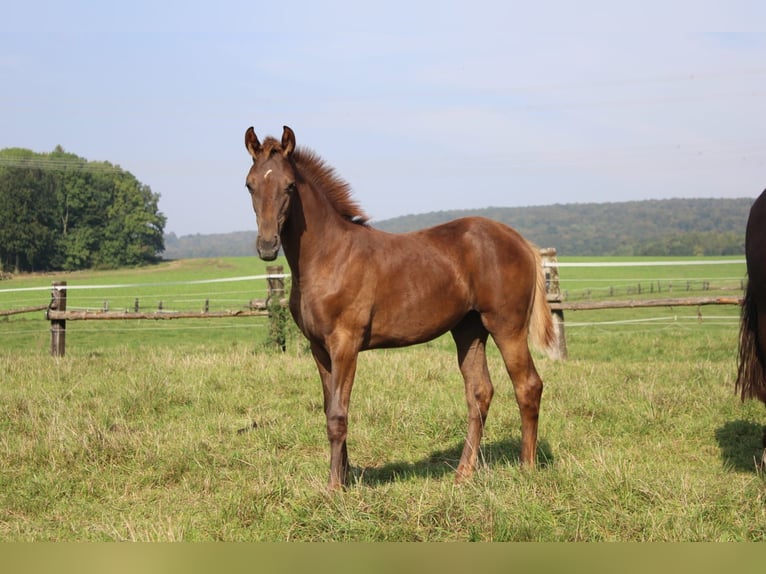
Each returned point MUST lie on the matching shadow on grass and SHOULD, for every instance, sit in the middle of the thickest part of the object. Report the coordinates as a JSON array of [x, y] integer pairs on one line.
[[444, 462], [741, 444]]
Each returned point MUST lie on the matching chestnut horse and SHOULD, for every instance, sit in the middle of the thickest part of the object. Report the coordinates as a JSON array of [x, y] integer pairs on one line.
[[751, 375], [356, 288]]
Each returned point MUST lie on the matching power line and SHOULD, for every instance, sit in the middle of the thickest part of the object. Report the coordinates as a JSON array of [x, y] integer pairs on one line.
[[59, 164]]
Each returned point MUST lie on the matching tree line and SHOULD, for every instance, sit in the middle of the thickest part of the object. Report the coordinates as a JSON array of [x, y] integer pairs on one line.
[[678, 227], [59, 211]]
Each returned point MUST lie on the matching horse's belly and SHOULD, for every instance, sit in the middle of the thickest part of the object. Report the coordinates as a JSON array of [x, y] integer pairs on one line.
[[411, 324]]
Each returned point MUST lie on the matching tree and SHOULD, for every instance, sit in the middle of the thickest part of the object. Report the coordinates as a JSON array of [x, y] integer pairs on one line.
[[60, 211], [27, 212], [133, 234]]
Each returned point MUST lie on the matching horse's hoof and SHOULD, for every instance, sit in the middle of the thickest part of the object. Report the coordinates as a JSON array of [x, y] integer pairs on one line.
[[463, 475]]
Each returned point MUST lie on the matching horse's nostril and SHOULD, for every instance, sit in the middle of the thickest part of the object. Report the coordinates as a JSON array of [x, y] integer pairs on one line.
[[266, 243], [268, 248]]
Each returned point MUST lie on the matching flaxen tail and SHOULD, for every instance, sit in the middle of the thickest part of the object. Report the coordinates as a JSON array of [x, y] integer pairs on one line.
[[751, 378], [541, 329]]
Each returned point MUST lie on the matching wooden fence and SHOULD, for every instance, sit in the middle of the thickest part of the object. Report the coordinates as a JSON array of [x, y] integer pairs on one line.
[[58, 314], [558, 305]]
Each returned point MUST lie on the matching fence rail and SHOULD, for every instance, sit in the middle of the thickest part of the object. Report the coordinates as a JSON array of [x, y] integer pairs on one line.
[[637, 303], [9, 312], [155, 315], [58, 315]]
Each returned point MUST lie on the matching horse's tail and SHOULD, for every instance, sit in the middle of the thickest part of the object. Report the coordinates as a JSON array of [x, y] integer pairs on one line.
[[541, 330], [751, 378]]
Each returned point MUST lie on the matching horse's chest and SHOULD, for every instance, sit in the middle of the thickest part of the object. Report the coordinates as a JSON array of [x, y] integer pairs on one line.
[[319, 315]]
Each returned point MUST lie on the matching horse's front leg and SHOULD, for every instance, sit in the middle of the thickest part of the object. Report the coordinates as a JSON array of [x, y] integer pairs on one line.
[[337, 372]]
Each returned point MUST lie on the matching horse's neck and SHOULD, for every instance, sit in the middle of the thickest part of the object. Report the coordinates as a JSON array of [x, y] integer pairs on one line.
[[311, 227]]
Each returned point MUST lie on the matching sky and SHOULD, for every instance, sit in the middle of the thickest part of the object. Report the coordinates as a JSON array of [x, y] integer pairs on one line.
[[420, 106]]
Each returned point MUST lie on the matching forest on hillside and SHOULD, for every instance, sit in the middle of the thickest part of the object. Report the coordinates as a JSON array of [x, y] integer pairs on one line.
[[680, 227], [652, 227]]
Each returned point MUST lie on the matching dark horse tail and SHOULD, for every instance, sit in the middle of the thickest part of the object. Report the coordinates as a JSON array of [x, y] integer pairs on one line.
[[751, 378]]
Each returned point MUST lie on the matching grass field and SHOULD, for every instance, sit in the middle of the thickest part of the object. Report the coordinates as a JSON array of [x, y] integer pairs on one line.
[[197, 430], [169, 283]]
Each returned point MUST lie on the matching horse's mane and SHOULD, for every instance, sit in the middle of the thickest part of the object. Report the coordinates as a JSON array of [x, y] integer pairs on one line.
[[323, 177]]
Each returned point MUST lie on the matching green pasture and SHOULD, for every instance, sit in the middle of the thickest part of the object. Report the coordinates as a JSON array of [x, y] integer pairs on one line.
[[186, 285], [636, 278], [180, 286], [198, 430]]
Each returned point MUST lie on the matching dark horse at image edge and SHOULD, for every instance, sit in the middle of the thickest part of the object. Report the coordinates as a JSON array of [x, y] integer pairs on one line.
[[751, 373], [356, 288]]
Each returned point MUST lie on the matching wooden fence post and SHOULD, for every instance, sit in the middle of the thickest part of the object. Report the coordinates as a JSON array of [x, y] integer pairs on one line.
[[58, 326], [277, 312], [276, 282], [553, 293]]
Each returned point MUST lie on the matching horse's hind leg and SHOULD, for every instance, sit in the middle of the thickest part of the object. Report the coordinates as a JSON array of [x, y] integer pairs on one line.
[[471, 337], [527, 385]]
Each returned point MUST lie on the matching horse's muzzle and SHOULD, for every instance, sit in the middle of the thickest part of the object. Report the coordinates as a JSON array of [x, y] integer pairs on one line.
[[268, 249]]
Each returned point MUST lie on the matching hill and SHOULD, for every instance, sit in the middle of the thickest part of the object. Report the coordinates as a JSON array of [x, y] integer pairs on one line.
[[652, 227], [235, 244]]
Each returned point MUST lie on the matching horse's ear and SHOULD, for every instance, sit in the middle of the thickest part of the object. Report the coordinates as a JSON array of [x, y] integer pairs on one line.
[[251, 142], [288, 141]]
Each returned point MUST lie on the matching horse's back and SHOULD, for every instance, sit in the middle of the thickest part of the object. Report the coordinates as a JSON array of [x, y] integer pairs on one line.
[[489, 251], [420, 284], [473, 240]]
